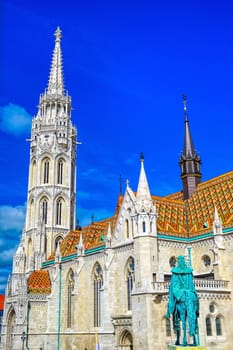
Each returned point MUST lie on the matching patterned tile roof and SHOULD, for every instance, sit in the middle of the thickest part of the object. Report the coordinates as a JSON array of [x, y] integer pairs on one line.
[[171, 216], [218, 193], [2, 298], [172, 212], [199, 208], [39, 282]]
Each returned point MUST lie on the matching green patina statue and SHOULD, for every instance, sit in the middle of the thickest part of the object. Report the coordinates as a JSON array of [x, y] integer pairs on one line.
[[183, 302]]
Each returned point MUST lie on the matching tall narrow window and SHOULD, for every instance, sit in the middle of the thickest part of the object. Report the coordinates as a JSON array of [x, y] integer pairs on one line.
[[60, 169], [218, 326], [30, 213], [208, 326], [59, 212], [143, 226], [70, 288], [44, 211], [57, 241], [29, 248], [72, 176], [98, 295], [127, 228], [129, 281], [33, 173], [168, 327], [46, 171]]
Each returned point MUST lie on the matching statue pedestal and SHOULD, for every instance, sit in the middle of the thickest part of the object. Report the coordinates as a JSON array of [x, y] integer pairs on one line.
[[187, 347]]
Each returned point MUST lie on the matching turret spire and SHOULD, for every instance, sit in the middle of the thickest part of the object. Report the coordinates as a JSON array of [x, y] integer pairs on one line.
[[188, 150], [56, 83], [189, 160], [143, 192]]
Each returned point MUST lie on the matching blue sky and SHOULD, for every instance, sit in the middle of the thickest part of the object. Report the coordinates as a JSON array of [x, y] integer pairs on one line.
[[126, 65]]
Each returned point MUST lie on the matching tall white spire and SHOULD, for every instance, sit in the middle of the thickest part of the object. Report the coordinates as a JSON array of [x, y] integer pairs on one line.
[[56, 82], [143, 191]]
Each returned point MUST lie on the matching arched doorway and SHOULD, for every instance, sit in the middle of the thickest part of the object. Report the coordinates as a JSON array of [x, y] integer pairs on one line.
[[10, 329], [126, 341]]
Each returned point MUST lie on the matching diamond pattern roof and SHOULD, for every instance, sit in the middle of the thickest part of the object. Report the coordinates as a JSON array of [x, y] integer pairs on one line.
[[39, 282], [172, 212]]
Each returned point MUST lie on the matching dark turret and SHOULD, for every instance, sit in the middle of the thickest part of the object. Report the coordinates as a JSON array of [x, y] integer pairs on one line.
[[189, 160]]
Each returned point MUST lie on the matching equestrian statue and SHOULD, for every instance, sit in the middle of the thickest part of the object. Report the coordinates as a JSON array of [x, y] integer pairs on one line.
[[183, 302]]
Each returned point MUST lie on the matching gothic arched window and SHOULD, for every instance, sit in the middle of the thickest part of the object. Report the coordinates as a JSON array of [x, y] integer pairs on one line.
[[60, 170], [30, 213], [29, 247], [59, 212], [218, 325], [98, 295], [208, 326], [11, 329], [70, 306], [129, 281], [172, 261], [45, 170], [33, 173], [44, 210], [206, 260], [57, 240]]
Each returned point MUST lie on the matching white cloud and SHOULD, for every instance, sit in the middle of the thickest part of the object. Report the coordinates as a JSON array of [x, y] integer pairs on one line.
[[14, 119], [7, 256], [12, 218]]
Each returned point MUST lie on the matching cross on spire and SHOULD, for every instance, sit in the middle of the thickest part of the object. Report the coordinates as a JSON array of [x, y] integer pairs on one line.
[[184, 102], [58, 35]]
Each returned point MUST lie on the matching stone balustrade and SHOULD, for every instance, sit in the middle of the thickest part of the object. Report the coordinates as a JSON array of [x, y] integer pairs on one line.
[[200, 284]]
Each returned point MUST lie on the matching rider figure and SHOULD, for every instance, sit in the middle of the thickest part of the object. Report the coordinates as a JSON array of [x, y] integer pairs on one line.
[[183, 301]]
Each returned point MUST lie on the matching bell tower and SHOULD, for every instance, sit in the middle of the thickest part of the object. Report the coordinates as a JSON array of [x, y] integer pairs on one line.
[[189, 161], [52, 170]]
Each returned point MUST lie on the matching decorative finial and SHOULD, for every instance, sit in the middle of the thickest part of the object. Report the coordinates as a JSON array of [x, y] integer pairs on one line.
[[58, 35], [92, 218], [184, 102], [142, 157], [120, 181]]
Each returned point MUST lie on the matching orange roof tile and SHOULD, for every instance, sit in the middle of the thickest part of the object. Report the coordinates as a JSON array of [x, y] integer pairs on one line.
[[2, 298], [39, 282], [199, 208], [172, 211]]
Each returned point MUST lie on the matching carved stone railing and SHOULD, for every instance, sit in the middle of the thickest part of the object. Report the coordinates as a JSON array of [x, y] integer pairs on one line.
[[161, 287], [215, 285], [200, 284]]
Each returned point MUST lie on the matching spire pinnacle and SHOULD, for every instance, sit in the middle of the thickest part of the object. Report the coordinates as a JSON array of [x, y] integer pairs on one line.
[[58, 35], [56, 83], [143, 192], [188, 150], [189, 160], [185, 106], [142, 157]]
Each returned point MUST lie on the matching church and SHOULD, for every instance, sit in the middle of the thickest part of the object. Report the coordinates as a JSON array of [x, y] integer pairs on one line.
[[105, 286]]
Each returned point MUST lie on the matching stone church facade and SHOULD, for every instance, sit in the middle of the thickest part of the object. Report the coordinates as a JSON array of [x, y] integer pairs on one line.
[[107, 283]]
